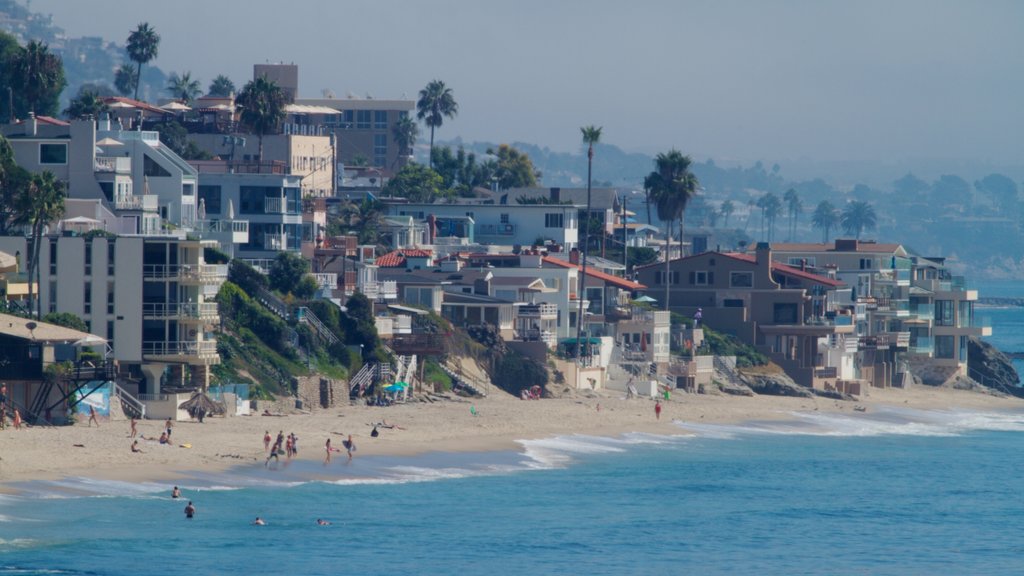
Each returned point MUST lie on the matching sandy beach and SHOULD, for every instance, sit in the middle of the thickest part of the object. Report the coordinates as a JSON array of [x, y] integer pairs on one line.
[[104, 452]]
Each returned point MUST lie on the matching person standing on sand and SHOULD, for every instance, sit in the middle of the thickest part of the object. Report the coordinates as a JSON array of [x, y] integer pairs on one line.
[[266, 441], [17, 419], [92, 416], [133, 431], [350, 445], [329, 449], [657, 409], [3, 406], [190, 510]]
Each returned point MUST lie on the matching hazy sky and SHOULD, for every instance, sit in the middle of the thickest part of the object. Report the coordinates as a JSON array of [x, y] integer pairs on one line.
[[818, 80]]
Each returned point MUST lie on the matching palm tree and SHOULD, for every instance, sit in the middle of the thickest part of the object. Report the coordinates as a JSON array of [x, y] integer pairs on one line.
[[793, 207], [38, 72], [772, 209], [857, 217], [124, 79], [41, 201], [435, 104], [726, 211], [670, 186], [591, 135], [405, 132], [825, 217], [87, 103], [143, 45], [221, 86], [262, 102], [183, 87]]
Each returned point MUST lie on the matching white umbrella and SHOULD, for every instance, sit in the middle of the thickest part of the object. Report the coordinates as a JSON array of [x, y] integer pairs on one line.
[[231, 209], [175, 106], [90, 340], [120, 104], [202, 208], [108, 141]]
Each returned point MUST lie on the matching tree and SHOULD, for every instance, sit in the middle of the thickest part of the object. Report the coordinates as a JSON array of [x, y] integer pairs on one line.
[[40, 76], [143, 46], [13, 182], [175, 136], [726, 210], [125, 80], [262, 102], [825, 217], [286, 271], [9, 49], [1001, 189], [772, 209], [514, 169], [857, 217], [183, 87], [910, 185], [404, 133], [221, 87], [591, 135], [87, 103], [951, 189], [67, 320], [793, 208], [40, 203], [671, 186], [436, 103], [415, 182]]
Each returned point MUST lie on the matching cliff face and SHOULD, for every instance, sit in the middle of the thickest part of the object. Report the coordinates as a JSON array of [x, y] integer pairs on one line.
[[992, 368]]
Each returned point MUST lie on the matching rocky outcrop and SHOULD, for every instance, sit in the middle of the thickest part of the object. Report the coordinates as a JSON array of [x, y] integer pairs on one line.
[[774, 385], [991, 368]]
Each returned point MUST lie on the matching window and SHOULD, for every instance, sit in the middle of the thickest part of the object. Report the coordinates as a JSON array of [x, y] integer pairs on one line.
[[363, 119], [349, 119], [945, 347], [380, 149], [53, 258], [88, 258], [784, 313], [87, 298], [732, 303], [741, 279], [110, 330], [188, 189], [380, 119], [110, 257], [110, 298], [865, 264], [944, 313], [504, 218], [701, 278], [210, 197], [53, 153], [53, 296], [554, 220], [151, 168], [657, 277]]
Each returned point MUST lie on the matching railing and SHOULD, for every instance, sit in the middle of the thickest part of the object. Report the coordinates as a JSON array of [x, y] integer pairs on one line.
[[892, 304], [924, 311], [144, 135], [922, 345], [201, 349], [274, 205], [363, 379], [275, 242], [112, 164], [198, 311], [153, 397], [306, 315], [547, 311], [496, 229], [887, 340], [200, 272], [326, 279], [221, 226], [534, 335], [261, 265], [129, 402], [275, 304], [828, 372]]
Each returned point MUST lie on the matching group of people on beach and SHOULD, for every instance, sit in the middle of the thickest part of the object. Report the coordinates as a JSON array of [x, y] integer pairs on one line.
[[15, 413], [164, 439], [290, 446], [350, 447]]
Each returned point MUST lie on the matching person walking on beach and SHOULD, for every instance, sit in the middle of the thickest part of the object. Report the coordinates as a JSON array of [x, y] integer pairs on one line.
[[190, 510], [657, 409], [350, 445], [133, 431], [295, 444], [92, 416], [266, 441], [17, 419], [3, 406]]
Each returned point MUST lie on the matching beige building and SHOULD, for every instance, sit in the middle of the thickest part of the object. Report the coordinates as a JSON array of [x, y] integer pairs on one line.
[[364, 129]]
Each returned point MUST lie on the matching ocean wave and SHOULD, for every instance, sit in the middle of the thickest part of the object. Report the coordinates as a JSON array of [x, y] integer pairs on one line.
[[559, 451], [882, 421]]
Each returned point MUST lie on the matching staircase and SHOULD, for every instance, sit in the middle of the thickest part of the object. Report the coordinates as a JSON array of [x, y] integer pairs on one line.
[[273, 303], [306, 315], [131, 405], [460, 381], [363, 379], [35, 410]]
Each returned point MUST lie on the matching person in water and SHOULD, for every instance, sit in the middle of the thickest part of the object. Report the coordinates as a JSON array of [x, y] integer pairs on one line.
[[175, 493], [258, 522], [322, 522], [190, 510]]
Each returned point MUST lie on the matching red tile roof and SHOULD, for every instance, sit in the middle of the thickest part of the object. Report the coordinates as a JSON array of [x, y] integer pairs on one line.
[[786, 269], [48, 120], [396, 258], [136, 103], [607, 278]]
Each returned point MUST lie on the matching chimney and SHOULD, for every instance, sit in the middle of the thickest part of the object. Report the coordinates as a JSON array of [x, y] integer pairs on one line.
[[574, 256], [431, 228], [31, 125], [764, 266]]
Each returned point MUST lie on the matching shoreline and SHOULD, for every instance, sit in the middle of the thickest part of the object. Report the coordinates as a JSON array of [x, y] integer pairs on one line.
[[501, 424]]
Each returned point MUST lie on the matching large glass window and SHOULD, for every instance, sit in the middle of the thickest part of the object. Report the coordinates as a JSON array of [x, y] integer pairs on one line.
[[210, 197], [53, 153], [945, 347], [380, 119], [554, 220], [784, 313], [152, 169], [944, 313], [363, 119], [741, 279], [380, 149]]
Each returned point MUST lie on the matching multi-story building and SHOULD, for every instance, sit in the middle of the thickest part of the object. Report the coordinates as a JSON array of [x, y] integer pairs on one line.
[[364, 129], [152, 297], [507, 225]]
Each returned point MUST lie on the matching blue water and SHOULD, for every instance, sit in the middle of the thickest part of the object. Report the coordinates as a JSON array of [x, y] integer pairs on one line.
[[885, 492]]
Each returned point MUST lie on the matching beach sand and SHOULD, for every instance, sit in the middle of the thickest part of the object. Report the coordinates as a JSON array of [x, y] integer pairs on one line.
[[104, 452]]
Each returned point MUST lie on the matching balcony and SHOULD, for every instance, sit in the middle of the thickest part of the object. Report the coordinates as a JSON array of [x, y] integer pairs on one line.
[[326, 279], [496, 229], [539, 311], [205, 312], [274, 206], [922, 345], [113, 164], [193, 352], [144, 202], [232, 231], [201, 273], [899, 340], [15, 284], [149, 136], [535, 335]]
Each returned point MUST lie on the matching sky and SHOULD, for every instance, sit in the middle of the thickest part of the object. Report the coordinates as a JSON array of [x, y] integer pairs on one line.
[[808, 80]]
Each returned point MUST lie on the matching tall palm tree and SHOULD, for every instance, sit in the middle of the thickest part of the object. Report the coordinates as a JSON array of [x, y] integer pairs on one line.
[[124, 79], [793, 207], [87, 103], [857, 217], [435, 104], [262, 102], [671, 186], [726, 211], [221, 86], [772, 209], [591, 135], [825, 217], [39, 73], [143, 46], [404, 133], [41, 201], [183, 87]]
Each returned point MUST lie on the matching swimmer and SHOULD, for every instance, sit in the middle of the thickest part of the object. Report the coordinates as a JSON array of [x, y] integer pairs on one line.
[[322, 522], [190, 510], [258, 522], [175, 493]]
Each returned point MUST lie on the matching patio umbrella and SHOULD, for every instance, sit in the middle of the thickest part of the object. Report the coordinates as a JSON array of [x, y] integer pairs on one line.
[[90, 340], [396, 387], [200, 400], [645, 299], [175, 106], [120, 104], [108, 141]]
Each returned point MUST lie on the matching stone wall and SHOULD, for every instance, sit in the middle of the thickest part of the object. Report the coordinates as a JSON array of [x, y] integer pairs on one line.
[[318, 393]]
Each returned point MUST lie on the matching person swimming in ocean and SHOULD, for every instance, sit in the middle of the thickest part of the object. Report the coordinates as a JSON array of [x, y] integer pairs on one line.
[[258, 522], [322, 522], [190, 510], [175, 493]]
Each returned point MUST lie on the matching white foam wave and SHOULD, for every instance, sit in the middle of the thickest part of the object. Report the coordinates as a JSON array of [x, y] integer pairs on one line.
[[19, 543], [558, 451]]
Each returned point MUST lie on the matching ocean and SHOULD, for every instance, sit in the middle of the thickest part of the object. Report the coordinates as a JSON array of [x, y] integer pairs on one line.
[[893, 491]]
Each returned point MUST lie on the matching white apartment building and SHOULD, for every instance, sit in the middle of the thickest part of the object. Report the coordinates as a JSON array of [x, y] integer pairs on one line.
[[501, 224]]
